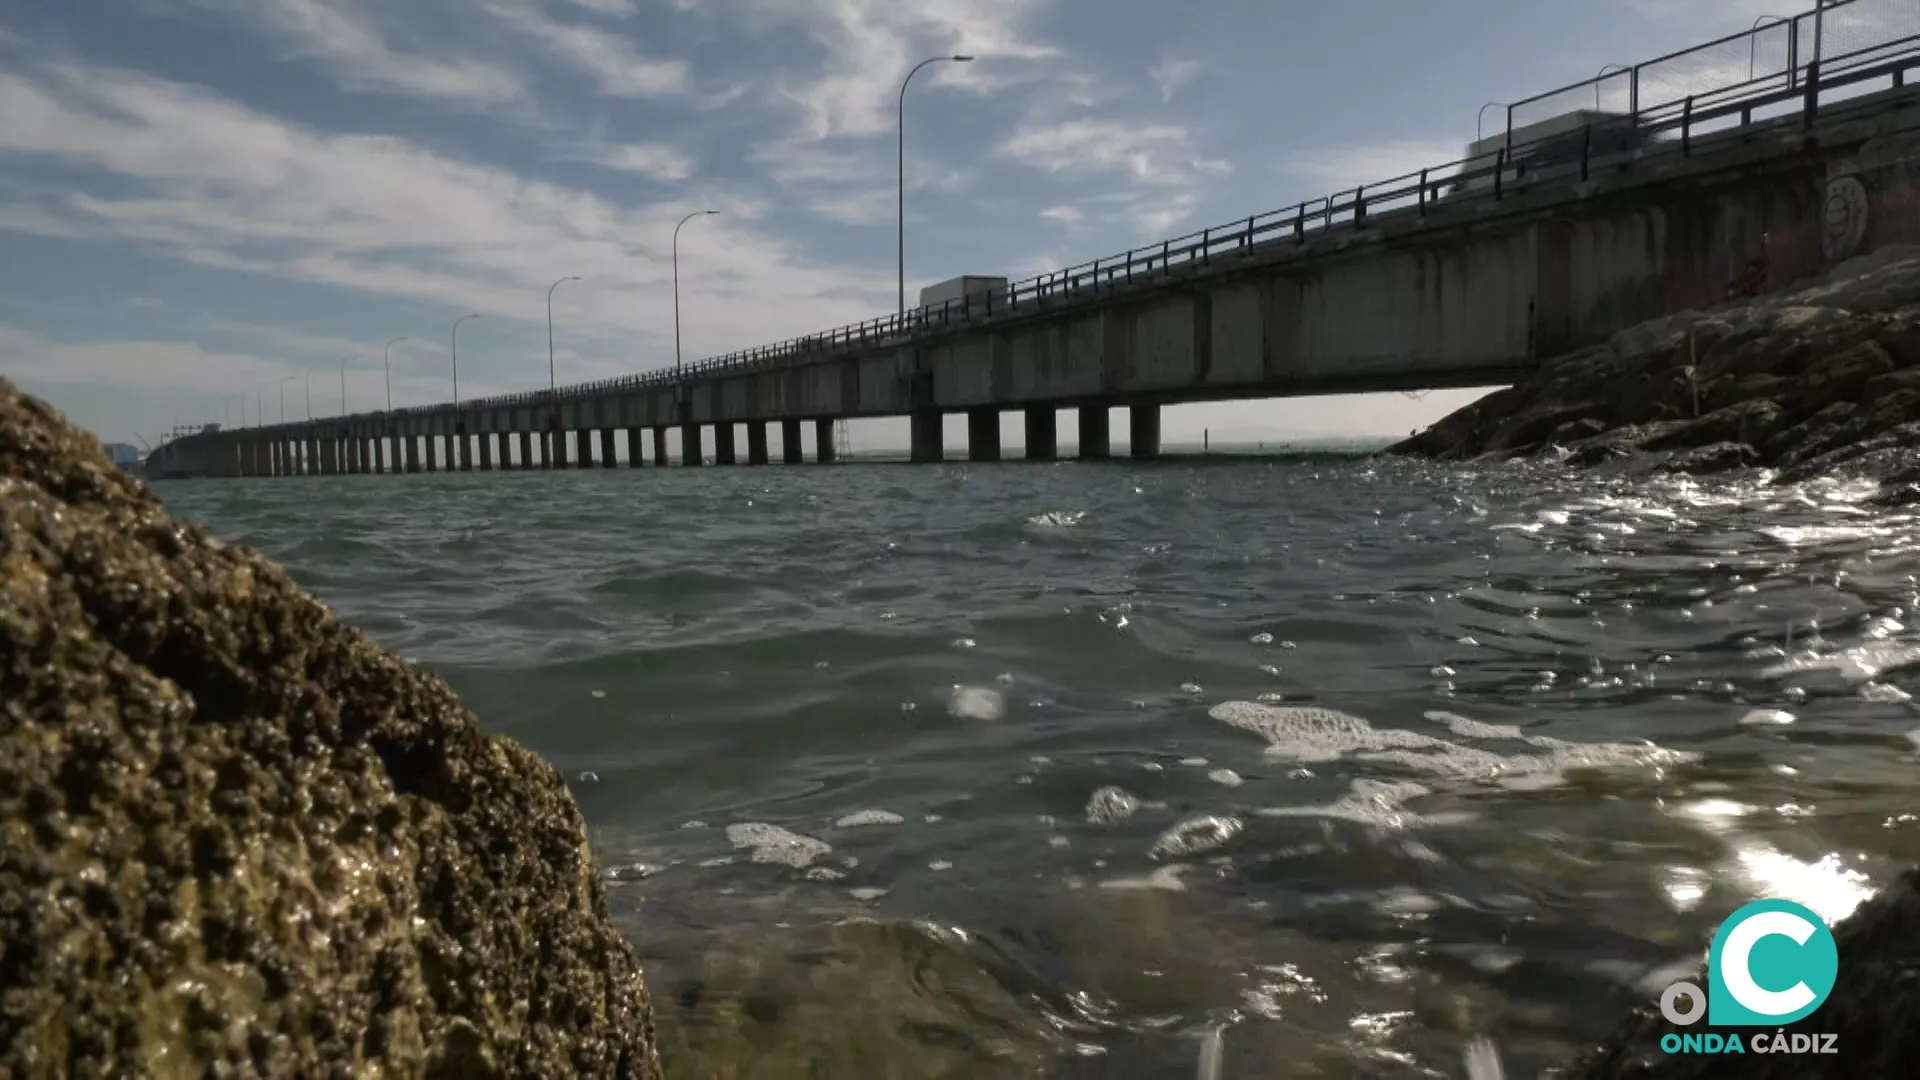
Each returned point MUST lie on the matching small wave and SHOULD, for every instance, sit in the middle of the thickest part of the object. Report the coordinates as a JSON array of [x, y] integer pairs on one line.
[[773, 844], [1057, 519], [1312, 734]]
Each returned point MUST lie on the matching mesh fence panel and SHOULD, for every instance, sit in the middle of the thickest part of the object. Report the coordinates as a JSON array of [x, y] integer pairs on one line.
[[1853, 33], [1862, 32]]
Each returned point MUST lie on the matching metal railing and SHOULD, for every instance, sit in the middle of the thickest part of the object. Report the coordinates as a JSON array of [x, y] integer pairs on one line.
[[1781, 62]]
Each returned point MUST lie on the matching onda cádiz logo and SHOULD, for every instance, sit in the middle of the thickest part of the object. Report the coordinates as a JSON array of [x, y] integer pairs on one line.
[[1773, 962]]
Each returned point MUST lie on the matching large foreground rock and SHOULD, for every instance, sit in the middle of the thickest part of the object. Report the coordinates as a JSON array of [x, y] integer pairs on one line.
[[1821, 378], [239, 839]]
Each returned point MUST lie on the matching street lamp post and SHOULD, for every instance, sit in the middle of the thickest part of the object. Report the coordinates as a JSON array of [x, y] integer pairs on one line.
[[455, 335], [386, 361], [676, 285], [343, 380], [902, 235], [309, 393], [552, 387]]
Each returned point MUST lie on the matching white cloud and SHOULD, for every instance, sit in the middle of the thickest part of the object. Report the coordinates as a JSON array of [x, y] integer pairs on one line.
[[868, 46], [607, 58], [1147, 153], [347, 38], [215, 183], [1343, 168], [619, 9], [1170, 75], [874, 207], [656, 161], [1064, 215]]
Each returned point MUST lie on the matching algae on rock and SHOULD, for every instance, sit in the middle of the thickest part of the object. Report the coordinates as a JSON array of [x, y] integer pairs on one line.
[[238, 838]]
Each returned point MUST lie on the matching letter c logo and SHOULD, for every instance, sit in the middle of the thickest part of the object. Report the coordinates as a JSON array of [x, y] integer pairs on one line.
[[1772, 962]]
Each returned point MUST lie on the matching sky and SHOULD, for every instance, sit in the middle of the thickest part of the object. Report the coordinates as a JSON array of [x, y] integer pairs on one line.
[[206, 206]]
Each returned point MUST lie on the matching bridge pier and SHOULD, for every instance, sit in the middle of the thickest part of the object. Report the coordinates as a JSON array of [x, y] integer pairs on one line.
[[486, 451], [583, 448], [1042, 435], [1096, 439], [983, 434], [723, 450], [350, 450], [660, 457], [692, 448], [790, 450], [607, 456], [824, 451], [756, 442], [636, 447], [380, 455], [927, 429], [557, 443], [1143, 430]]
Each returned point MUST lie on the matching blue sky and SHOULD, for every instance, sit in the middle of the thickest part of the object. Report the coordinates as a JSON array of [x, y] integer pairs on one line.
[[201, 198]]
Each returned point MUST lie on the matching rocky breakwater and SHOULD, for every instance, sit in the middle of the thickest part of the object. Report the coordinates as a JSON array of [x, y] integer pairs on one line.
[[1823, 378], [237, 838]]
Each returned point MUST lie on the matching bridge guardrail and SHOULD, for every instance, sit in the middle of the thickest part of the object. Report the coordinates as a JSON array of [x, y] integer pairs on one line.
[[1681, 93]]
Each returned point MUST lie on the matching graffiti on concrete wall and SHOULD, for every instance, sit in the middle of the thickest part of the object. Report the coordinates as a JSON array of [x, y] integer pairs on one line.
[[1843, 220]]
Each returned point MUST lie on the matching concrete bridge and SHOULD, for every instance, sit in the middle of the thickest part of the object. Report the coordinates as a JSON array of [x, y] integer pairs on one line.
[[1465, 275]]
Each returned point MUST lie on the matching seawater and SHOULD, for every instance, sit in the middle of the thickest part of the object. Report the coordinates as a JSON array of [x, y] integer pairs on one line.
[[1260, 766]]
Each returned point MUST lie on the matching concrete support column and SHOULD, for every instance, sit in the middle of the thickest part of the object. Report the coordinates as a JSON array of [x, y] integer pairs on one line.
[[983, 434], [1143, 430], [607, 455], [526, 449], [1096, 439], [486, 451], [312, 456], [351, 451], [433, 452], [381, 464], [409, 454], [330, 457], [465, 442], [756, 442], [692, 451], [557, 448], [723, 453], [790, 451], [660, 447], [636, 447], [823, 448], [583, 448], [453, 459], [927, 435], [1042, 432]]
